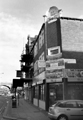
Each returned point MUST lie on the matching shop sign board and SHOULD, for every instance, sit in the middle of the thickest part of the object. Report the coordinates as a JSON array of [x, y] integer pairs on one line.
[[53, 80], [70, 60], [55, 64], [54, 74], [73, 74]]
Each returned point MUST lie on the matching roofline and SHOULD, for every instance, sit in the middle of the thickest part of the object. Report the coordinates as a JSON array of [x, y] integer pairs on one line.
[[70, 18]]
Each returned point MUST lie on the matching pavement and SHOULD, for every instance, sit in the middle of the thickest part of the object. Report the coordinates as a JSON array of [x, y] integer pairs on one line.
[[24, 111]]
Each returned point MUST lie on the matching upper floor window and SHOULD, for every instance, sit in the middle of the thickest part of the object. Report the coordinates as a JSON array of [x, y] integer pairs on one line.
[[54, 50], [35, 49], [42, 34], [35, 66], [41, 56], [40, 42], [41, 39]]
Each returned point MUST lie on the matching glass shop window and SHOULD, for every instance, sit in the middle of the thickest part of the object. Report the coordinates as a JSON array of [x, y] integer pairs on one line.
[[36, 92], [42, 92]]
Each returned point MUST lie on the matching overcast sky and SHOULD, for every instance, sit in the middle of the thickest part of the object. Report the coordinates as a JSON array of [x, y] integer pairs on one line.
[[20, 18]]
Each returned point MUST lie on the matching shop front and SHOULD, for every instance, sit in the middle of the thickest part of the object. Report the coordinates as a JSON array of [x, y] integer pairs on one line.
[[74, 83], [55, 92], [38, 90], [39, 94]]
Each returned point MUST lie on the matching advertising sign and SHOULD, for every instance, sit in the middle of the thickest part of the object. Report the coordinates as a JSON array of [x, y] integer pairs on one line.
[[54, 74], [74, 74], [55, 64], [54, 70]]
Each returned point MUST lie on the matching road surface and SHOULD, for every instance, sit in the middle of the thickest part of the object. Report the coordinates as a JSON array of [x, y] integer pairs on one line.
[[3, 103]]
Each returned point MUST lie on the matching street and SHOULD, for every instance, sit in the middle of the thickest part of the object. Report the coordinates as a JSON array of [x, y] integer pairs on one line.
[[25, 111], [3, 101]]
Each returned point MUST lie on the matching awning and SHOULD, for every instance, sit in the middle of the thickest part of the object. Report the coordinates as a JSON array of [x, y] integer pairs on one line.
[[20, 82], [26, 80]]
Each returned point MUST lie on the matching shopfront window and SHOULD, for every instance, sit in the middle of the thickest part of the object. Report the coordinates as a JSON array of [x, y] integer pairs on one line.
[[36, 92], [33, 90], [55, 92], [42, 92]]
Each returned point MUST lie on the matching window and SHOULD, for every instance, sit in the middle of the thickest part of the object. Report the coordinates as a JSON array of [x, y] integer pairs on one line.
[[80, 104], [41, 39], [33, 89], [36, 92], [42, 34], [35, 68], [41, 58], [54, 50], [42, 92], [35, 49], [71, 104], [61, 105]]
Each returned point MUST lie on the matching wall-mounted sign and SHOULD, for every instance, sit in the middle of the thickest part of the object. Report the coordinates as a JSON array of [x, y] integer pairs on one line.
[[55, 64], [53, 50], [70, 60], [73, 74], [54, 74]]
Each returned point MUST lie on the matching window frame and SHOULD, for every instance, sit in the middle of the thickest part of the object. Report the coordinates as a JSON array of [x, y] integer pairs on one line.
[[42, 92]]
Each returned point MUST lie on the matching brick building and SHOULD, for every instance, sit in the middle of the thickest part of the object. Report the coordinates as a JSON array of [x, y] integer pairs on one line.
[[60, 45]]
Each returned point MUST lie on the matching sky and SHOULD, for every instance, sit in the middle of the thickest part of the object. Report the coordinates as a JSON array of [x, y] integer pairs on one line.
[[20, 18]]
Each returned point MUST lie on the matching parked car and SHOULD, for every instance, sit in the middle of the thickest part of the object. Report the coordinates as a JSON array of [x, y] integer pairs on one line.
[[66, 110]]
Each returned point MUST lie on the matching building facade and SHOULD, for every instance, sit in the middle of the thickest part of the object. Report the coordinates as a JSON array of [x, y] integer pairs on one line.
[[58, 61]]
